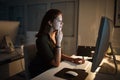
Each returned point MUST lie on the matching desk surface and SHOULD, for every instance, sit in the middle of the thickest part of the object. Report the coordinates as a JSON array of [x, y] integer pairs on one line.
[[49, 74]]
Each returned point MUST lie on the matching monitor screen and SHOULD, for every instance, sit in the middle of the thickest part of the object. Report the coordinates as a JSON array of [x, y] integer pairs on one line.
[[8, 28], [103, 40]]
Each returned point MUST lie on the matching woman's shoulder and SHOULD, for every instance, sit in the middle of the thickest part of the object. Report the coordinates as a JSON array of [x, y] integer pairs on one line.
[[43, 37]]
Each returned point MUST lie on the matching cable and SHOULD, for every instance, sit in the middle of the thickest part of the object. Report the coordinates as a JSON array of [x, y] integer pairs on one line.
[[114, 59]]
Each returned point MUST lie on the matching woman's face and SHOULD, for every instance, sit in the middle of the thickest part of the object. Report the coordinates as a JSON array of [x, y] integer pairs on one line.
[[57, 23]]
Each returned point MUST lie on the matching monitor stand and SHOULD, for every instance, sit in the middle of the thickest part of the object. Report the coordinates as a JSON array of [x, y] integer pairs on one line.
[[106, 68]]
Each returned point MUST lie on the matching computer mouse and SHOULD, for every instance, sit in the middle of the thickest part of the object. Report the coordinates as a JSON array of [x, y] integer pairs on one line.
[[72, 73]]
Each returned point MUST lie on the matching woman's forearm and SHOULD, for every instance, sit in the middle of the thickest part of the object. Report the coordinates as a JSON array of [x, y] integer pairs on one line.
[[56, 61], [66, 57], [58, 56], [74, 60]]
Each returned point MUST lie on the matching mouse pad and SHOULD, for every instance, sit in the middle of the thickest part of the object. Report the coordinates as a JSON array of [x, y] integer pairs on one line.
[[81, 74]]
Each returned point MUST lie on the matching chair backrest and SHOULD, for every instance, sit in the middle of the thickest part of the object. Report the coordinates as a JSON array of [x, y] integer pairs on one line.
[[29, 54]]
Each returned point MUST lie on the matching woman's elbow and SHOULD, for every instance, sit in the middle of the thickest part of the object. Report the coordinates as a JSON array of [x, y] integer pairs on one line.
[[56, 64]]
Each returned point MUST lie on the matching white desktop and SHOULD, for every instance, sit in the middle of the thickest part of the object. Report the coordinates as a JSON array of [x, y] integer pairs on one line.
[[50, 74]]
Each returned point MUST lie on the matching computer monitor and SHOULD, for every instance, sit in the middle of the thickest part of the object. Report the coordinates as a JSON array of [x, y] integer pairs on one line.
[[9, 28], [103, 42]]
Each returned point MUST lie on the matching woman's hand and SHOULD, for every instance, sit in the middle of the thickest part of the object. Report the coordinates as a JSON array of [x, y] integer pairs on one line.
[[59, 36], [78, 60]]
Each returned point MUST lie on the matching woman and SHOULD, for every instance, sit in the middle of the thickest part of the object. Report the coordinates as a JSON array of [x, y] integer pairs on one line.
[[48, 44]]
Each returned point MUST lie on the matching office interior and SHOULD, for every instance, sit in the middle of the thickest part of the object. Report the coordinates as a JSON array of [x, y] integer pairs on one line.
[[81, 24]]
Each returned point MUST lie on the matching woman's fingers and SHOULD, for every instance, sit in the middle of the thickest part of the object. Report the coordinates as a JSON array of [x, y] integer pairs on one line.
[[79, 61]]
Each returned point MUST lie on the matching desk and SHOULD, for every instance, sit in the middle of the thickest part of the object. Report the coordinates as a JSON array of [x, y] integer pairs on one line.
[[11, 64], [10, 57], [49, 74]]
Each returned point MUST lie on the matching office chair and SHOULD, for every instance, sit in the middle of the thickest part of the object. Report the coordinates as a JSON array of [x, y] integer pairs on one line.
[[29, 54]]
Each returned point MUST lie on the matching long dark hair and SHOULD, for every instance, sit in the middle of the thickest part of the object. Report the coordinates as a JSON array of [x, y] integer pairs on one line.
[[49, 16]]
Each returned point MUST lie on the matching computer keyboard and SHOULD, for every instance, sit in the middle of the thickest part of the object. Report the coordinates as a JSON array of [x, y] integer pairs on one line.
[[84, 66]]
